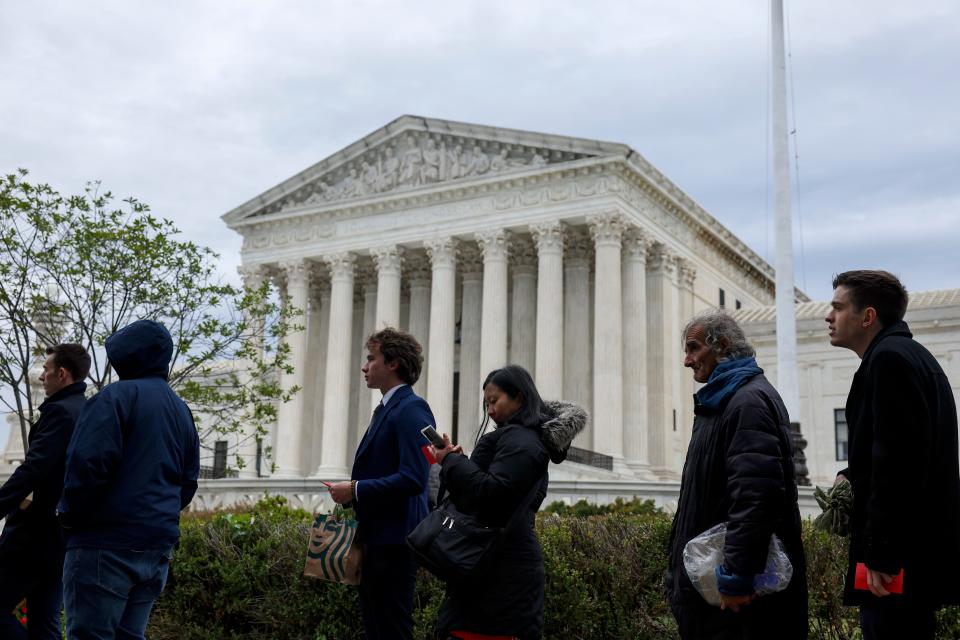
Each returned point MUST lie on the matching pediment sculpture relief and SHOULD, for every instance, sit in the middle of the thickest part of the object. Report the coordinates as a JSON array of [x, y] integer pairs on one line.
[[415, 161]]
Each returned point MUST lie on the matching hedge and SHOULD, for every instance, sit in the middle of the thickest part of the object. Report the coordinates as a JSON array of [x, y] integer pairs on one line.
[[238, 575]]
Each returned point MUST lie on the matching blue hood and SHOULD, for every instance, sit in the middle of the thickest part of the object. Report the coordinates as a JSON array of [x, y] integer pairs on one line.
[[140, 350]]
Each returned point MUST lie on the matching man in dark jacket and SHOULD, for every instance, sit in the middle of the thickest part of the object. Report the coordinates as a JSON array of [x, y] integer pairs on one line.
[[132, 466], [388, 486], [902, 422], [31, 551], [738, 471]]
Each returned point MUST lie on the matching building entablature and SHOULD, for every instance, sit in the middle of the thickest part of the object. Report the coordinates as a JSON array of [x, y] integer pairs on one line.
[[569, 191]]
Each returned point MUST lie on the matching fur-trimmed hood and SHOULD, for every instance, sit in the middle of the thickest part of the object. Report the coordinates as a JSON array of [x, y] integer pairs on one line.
[[559, 431]]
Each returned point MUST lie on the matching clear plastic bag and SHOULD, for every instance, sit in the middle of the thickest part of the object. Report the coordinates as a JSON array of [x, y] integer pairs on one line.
[[703, 554]]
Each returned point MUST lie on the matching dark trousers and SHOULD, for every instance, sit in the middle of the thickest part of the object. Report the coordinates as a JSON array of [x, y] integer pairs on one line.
[[892, 617], [41, 587], [386, 592]]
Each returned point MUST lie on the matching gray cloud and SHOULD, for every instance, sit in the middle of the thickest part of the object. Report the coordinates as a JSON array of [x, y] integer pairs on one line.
[[196, 107]]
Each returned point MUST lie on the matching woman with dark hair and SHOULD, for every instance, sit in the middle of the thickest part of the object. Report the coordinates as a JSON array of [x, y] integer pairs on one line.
[[506, 600]]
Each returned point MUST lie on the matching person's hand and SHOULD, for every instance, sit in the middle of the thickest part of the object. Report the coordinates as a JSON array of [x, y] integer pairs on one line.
[[876, 581], [341, 492], [840, 478], [735, 602], [448, 448]]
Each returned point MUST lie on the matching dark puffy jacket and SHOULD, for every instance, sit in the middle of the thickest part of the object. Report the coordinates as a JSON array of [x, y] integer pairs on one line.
[[739, 470], [502, 470], [34, 531], [902, 421], [133, 461]]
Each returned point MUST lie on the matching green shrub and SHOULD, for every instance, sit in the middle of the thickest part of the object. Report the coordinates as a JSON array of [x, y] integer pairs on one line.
[[583, 509], [239, 575]]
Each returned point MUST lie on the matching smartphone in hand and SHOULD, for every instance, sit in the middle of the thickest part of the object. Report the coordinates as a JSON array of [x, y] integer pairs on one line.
[[433, 437]]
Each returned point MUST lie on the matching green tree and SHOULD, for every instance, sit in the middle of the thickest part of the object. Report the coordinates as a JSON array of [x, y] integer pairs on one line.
[[79, 268]]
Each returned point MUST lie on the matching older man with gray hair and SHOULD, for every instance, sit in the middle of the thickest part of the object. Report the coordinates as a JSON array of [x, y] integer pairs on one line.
[[738, 471]]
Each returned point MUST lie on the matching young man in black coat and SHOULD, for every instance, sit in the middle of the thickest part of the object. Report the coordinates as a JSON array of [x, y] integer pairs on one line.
[[739, 471], [902, 422], [31, 551]]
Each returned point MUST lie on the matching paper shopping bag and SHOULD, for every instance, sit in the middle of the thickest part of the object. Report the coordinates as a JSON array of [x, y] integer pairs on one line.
[[333, 553]]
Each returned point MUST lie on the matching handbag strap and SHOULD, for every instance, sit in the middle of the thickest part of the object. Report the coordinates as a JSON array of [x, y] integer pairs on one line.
[[515, 516]]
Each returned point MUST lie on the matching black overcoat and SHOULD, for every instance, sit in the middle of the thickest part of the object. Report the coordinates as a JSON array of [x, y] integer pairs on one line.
[[902, 421], [31, 536], [508, 598], [739, 470]]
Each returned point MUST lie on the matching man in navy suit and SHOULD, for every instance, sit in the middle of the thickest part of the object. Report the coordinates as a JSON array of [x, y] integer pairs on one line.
[[388, 486]]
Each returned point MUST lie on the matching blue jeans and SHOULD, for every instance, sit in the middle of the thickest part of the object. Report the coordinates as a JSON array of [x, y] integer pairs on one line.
[[109, 593]]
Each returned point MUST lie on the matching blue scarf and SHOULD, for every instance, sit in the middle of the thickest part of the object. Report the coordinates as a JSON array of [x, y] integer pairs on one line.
[[727, 377]]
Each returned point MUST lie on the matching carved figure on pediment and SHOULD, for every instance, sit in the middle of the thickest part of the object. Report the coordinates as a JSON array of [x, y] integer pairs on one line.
[[430, 170], [410, 165], [479, 163], [499, 161], [369, 178], [454, 167], [321, 192], [538, 160], [389, 171], [351, 187]]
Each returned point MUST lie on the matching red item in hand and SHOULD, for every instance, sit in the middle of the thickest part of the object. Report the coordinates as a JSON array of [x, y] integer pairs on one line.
[[860, 580], [426, 454]]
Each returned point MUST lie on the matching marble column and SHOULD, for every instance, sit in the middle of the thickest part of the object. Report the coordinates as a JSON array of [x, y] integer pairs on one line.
[[336, 396], [290, 415], [493, 318], [577, 338], [607, 232], [663, 352], [822, 445], [470, 412], [548, 237], [523, 320], [419, 271], [443, 326], [254, 277], [635, 425], [686, 276], [321, 299], [388, 261], [315, 342], [367, 399]]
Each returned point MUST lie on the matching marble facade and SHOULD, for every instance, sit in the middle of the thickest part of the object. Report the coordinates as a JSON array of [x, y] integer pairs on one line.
[[574, 258]]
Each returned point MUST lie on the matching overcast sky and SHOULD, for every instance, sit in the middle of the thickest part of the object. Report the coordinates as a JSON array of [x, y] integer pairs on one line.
[[195, 107]]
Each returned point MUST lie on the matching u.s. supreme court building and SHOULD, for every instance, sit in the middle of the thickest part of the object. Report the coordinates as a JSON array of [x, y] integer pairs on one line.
[[574, 258]]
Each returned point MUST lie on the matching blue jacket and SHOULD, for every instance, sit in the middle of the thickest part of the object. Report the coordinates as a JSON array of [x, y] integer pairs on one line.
[[133, 461], [393, 471]]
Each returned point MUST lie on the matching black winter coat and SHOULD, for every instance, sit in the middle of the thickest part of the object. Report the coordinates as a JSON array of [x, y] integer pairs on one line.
[[739, 470], [33, 534], [902, 421], [508, 598]]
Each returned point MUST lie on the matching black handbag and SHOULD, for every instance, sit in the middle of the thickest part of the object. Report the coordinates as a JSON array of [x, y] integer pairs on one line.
[[456, 546]]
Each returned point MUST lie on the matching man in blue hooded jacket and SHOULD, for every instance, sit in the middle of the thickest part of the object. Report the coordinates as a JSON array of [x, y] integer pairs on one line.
[[132, 466]]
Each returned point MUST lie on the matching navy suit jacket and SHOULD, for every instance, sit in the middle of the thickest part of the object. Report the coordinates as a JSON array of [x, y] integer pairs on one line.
[[393, 471]]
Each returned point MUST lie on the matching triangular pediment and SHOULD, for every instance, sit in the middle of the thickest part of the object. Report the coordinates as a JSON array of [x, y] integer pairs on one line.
[[412, 153]]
